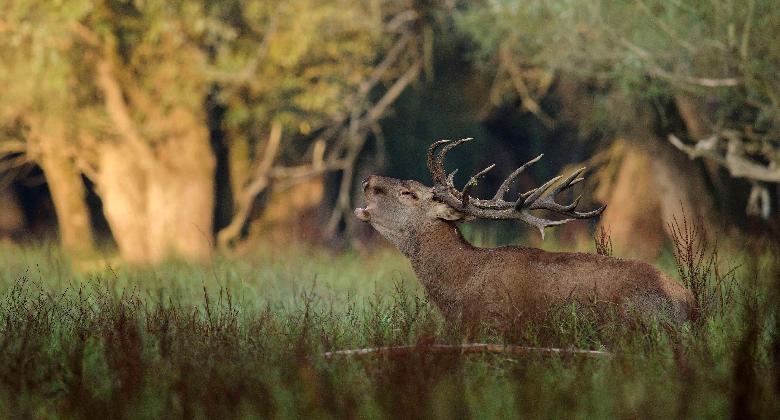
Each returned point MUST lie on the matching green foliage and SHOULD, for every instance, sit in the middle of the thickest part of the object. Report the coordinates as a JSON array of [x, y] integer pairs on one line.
[[36, 70], [299, 62], [245, 339], [647, 48]]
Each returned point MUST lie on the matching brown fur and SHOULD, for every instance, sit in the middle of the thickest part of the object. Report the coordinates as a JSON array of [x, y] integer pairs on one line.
[[470, 283]]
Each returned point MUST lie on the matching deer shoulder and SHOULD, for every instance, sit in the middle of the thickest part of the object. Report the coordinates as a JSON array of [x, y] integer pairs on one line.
[[490, 283]]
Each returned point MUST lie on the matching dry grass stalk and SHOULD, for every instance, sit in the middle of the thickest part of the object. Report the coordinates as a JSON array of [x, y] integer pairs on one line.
[[603, 242], [698, 267]]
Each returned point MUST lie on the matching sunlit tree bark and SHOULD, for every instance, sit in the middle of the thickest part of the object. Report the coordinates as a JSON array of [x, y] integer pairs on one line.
[[161, 209], [66, 187], [633, 218]]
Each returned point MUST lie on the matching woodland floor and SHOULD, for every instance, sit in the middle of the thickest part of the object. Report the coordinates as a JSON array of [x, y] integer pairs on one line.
[[245, 338]]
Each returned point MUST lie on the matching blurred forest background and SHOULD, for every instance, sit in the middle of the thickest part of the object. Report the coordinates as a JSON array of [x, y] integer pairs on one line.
[[178, 128]]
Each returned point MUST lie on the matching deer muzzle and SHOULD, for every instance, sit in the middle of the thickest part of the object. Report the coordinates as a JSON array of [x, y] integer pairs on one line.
[[362, 214]]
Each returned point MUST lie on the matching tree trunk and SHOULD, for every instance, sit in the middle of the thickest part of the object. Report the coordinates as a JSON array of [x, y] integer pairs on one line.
[[655, 185], [158, 194], [681, 187], [180, 200], [162, 208], [121, 185], [633, 219], [695, 124], [698, 128], [67, 190]]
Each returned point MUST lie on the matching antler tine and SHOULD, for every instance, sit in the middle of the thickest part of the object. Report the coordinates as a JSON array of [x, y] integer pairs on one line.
[[570, 180], [436, 169], [436, 163], [504, 188], [589, 214], [473, 183], [533, 195], [547, 201], [444, 150], [540, 223], [451, 177]]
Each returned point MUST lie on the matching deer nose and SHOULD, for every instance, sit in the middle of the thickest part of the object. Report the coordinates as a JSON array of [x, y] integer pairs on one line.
[[369, 181]]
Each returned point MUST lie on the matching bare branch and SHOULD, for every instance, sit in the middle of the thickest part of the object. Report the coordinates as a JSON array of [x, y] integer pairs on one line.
[[398, 21], [392, 94], [734, 158], [697, 81], [267, 174], [654, 69], [85, 34], [527, 101], [306, 171], [390, 58], [347, 173], [118, 110], [359, 127], [247, 197], [360, 98], [271, 149]]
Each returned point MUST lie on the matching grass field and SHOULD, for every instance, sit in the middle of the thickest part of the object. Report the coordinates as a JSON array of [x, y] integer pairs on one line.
[[245, 338]]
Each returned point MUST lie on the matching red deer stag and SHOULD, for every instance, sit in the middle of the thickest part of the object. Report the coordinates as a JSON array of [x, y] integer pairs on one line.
[[508, 283]]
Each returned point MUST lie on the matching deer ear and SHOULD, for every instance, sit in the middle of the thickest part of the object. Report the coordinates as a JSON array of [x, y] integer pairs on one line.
[[444, 211]]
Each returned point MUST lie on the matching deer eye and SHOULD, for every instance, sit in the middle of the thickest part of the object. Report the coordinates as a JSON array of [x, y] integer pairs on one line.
[[409, 193]]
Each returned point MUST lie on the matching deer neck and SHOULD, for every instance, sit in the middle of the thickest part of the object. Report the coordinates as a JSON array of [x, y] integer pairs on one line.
[[437, 250]]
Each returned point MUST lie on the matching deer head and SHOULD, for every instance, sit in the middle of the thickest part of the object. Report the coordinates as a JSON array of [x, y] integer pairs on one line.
[[396, 207]]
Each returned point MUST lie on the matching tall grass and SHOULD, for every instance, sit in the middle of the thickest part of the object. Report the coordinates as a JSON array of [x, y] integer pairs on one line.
[[246, 339], [699, 267]]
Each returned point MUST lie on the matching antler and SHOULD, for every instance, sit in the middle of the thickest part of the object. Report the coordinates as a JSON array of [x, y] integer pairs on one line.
[[541, 198]]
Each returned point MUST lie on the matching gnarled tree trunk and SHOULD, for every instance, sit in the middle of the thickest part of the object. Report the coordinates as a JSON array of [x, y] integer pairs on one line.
[[121, 184], [681, 187], [633, 217], [180, 198], [655, 185], [67, 189], [162, 208], [158, 196]]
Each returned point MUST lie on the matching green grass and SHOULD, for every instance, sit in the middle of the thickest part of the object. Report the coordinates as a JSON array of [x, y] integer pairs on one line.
[[244, 338]]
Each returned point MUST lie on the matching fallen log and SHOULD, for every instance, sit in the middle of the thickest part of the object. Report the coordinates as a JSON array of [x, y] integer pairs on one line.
[[468, 348]]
